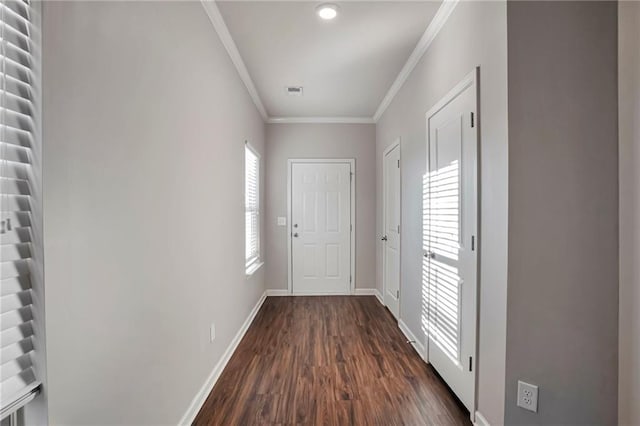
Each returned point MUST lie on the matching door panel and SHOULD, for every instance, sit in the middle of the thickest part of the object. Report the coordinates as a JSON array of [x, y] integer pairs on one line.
[[391, 231], [450, 229], [321, 228]]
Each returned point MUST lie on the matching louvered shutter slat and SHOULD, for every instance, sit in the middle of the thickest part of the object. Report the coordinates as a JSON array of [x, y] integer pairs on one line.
[[18, 375]]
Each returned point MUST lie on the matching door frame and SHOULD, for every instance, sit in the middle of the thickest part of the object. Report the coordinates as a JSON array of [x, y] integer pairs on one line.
[[352, 168], [470, 80], [396, 143]]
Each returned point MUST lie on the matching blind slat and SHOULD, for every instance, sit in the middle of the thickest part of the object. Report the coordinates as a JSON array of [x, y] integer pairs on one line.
[[15, 301], [14, 252], [15, 285], [16, 120], [16, 236], [16, 334], [15, 318], [16, 350], [15, 153], [15, 366], [15, 87], [15, 268], [15, 186], [14, 170], [14, 384]]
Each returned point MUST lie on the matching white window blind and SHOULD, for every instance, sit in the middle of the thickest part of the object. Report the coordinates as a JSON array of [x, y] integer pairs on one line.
[[18, 115], [252, 207]]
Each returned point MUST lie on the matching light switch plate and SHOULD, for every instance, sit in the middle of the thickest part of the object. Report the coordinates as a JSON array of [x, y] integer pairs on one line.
[[528, 396], [282, 221]]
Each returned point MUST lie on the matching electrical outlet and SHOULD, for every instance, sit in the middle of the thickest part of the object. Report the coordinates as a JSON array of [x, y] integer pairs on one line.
[[528, 396], [212, 332]]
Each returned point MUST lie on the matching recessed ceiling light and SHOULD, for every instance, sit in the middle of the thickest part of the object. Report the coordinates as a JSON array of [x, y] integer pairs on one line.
[[327, 11]]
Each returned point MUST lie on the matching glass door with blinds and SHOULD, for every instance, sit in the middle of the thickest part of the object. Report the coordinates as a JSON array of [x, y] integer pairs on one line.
[[20, 249]]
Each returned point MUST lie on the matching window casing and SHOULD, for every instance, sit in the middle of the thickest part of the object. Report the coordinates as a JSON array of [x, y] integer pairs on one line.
[[252, 208]]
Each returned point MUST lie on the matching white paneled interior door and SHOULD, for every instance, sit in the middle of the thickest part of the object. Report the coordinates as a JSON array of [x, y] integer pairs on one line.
[[321, 228], [450, 233], [391, 231]]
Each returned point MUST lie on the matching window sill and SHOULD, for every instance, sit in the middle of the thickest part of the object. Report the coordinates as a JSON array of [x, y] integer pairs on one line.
[[253, 269]]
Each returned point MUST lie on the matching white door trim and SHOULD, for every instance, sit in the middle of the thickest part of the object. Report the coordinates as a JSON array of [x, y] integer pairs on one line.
[[394, 144], [471, 79], [352, 167]]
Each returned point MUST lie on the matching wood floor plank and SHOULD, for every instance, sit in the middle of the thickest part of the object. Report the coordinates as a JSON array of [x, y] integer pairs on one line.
[[328, 361]]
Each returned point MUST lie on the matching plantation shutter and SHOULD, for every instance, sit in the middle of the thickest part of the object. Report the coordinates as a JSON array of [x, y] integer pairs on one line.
[[19, 382], [252, 207]]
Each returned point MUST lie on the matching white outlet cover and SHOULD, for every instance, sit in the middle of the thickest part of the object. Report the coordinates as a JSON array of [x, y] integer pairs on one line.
[[528, 396], [212, 332], [282, 221]]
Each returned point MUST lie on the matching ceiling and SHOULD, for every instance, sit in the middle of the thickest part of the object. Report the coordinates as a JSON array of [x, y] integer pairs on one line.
[[346, 66]]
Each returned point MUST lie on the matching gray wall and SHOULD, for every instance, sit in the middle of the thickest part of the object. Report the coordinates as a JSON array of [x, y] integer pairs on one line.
[[285, 141], [629, 157], [144, 126], [474, 35], [563, 211]]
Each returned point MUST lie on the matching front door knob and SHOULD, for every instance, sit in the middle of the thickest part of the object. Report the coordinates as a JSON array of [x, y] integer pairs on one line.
[[384, 238]]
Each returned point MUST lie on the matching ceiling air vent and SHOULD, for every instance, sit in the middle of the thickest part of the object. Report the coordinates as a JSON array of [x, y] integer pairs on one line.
[[294, 91]]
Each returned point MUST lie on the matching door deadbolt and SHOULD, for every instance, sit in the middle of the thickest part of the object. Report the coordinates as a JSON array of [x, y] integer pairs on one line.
[[295, 235]]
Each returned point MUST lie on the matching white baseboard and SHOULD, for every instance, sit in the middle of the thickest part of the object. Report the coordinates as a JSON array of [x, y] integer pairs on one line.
[[277, 292], [418, 344], [379, 297], [480, 420], [369, 292], [204, 392], [358, 292]]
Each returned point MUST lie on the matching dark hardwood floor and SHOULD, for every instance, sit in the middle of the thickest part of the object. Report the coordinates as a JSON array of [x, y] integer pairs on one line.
[[328, 361]]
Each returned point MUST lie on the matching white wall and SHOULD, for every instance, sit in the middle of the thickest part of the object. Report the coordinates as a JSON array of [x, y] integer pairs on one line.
[[474, 35], [562, 317], [285, 141], [629, 158], [145, 120]]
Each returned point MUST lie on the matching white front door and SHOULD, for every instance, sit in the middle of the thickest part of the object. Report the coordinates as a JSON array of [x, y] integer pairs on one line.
[[321, 227], [391, 231], [450, 234]]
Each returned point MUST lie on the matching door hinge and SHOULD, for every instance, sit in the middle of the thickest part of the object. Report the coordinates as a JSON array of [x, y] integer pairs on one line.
[[398, 163], [350, 278], [473, 124], [397, 294], [473, 243], [398, 229], [470, 363], [351, 176], [351, 228]]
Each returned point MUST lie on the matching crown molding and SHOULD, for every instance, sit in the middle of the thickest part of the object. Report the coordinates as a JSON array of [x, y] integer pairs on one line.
[[219, 25], [438, 21], [436, 24], [320, 120]]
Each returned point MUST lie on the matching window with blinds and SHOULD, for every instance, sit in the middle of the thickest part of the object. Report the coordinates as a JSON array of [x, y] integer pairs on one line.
[[252, 208], [18, 203]]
